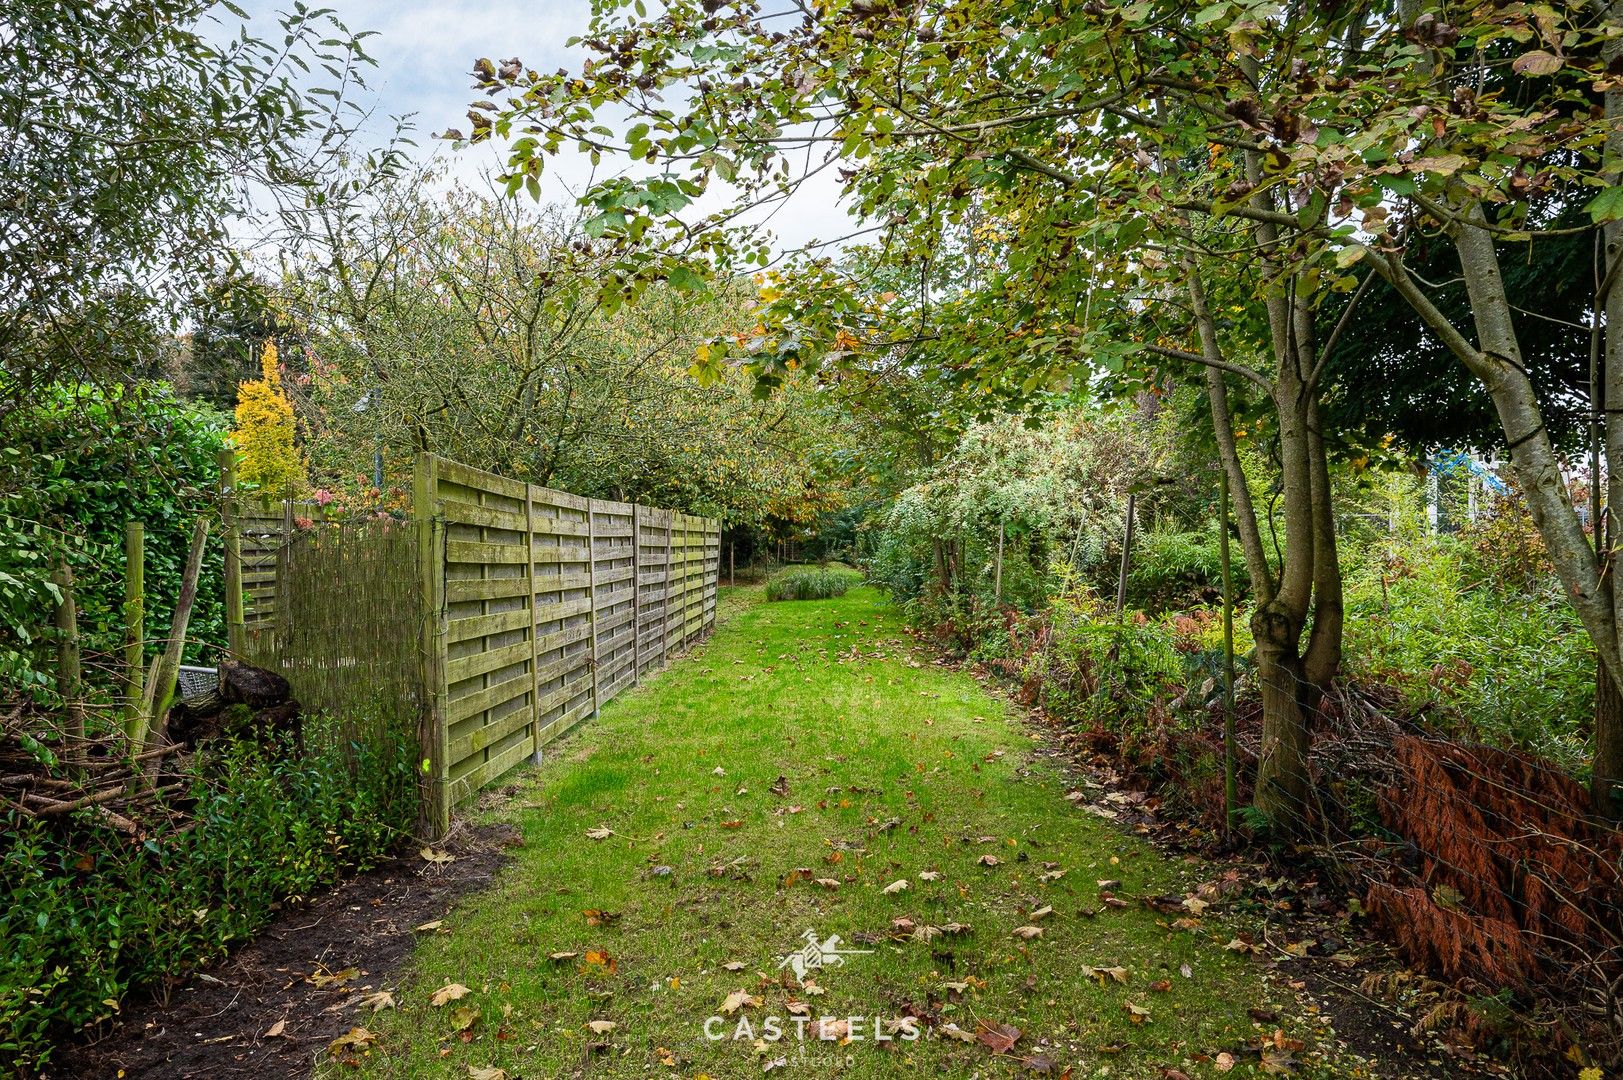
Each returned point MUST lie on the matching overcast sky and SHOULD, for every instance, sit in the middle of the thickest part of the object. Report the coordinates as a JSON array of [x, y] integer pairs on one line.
[[426, 48]]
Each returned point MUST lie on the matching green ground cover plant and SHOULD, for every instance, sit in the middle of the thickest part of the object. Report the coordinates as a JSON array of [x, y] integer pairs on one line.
[[90, 915], [781, 780]]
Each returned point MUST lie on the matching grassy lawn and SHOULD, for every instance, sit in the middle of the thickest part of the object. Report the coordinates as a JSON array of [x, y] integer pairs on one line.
[[805, 742]]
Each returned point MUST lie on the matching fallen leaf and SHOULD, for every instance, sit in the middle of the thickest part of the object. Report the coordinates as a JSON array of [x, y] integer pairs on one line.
[[429, 927], [895, 887], [336, 978], [953, 1031], [357, 1037], [1161, 986], [447, 993], [989, 860], [486, 1072], [780, 786], [1223, 1062], [999, 1038], [602, 832], [379, 1001], [929, 875], [430, 855], [1041, 913], [733, 965], [276, 1029], [601, 959], [830, 1029], [739, 999], [1137, 1013], [827, 882], [463, 1017], [601, 1027], [560, 957], [1026, 933]]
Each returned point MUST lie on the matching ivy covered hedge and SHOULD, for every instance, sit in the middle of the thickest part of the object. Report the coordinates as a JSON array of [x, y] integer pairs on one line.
[[74, 467], [90, 915]]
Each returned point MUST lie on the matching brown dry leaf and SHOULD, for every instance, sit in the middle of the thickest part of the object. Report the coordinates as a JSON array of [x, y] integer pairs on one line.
[[989, 860], [1278, 1062], [812, 989], [1026, 933], [739, 999], [829, 1029], [1161, 986], [929, 875], [953, 1031], [601, 1027], [379, 1001], [428, 927], [448, 993], [1137, 1013], [487, 1072], [596, 917], [1051, 875], [738, 824], [780, 786], [602, 832], [430, 855], [733, 965], [1195, 905], [895, 887], [276, 1029], [357, 1037], [598, 958], [335, 978], [1041, 913], [827, 882], [560, 957], [999, 1038], [1223, 1062], [797, 1008], [1104, 974], [463, 1017]]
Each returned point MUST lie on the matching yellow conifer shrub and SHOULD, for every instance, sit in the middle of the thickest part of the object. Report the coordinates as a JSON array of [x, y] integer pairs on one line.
[[266, 457]]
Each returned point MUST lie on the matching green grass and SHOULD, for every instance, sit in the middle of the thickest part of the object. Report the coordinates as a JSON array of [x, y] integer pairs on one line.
[[894, 767], [812, 583]]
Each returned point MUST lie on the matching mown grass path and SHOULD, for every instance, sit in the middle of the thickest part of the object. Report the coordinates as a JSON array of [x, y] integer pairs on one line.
[[892, 770]]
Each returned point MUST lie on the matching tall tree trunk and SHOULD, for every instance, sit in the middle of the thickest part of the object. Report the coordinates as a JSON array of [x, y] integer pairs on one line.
[[1607, 783]]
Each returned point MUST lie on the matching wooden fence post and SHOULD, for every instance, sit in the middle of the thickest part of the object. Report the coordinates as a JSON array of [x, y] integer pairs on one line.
[[665, 612], [636, 593], [591, 594], [135, 637], [436, 809], [235, 622], [529, 602], [69, 674]]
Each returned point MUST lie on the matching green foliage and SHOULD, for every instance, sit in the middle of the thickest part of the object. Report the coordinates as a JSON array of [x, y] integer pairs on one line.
[[1480, 657], [143, 142], [74, 468], [1097, 667], [1172, 569], [811, 583], [89, 916]]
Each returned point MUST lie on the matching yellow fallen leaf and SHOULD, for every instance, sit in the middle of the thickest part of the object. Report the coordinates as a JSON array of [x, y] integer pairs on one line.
[[486, 1072], [430, 855], [738, 999], [357, 1037], [447, 993], [378, 1001], [276, 1029]]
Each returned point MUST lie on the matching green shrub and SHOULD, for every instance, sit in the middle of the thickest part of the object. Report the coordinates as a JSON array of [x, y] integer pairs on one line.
[[811, 583], [88, 915], [1173, 569], [74, 468], [1098, 667]]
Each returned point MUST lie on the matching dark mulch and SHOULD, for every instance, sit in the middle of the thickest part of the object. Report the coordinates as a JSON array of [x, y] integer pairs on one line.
[[217, 1023]]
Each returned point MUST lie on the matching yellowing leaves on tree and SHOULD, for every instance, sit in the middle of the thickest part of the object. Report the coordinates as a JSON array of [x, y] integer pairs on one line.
[[266, 457]]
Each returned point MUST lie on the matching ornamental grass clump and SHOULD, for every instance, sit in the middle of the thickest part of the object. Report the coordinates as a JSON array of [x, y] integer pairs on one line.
[[811, 583]]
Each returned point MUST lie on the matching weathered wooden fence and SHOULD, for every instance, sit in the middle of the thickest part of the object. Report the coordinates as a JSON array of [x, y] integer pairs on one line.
[[532, 609]]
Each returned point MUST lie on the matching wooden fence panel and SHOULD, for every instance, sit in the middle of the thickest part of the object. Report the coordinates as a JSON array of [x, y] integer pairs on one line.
[[653, 582], [489, 690], [561, 543], [614, 597]]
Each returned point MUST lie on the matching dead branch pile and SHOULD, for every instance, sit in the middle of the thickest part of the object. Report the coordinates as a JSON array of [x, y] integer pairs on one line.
[[50, 768]]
